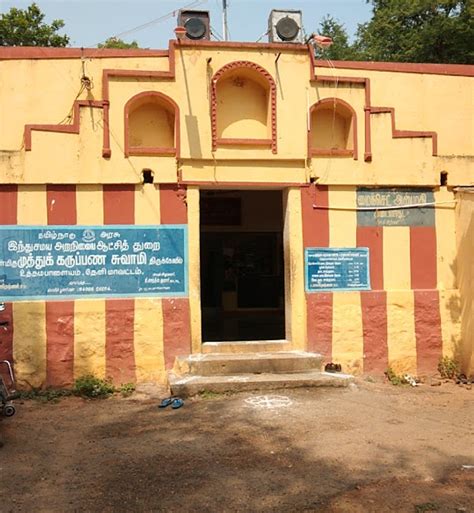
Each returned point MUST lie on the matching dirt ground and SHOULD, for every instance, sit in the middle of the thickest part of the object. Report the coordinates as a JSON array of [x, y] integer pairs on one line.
[[371, 448]]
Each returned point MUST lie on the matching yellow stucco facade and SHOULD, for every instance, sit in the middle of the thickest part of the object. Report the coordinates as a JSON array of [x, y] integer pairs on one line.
[[78, 131]]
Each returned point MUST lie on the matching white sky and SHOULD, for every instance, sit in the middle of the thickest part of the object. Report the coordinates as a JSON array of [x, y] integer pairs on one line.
[[89, 22]]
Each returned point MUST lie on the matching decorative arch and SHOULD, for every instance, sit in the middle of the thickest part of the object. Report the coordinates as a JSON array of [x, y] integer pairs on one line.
[[151, 121], [262, 78], [332, 129]]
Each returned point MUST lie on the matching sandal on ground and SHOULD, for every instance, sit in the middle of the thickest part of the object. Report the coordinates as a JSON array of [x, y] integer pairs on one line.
[[166, 402], [177, 403]]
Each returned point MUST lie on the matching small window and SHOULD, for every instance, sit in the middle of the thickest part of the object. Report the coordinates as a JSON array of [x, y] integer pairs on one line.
[[333, 129], [150, 125]]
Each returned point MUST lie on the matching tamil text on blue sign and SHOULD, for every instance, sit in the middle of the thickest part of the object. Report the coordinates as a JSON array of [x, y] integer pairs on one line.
[[57, 262], [395, 207], [328, 269]]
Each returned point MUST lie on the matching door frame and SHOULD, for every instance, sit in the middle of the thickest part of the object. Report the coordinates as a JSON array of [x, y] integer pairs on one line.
[[293, 256]]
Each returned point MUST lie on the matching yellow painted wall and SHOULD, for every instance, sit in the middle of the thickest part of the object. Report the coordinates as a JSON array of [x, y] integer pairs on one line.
[[465, 272], [151, 125], [243, 107], [399, 161], [29, 334], [89, 314], [148, 318], [422, 102]]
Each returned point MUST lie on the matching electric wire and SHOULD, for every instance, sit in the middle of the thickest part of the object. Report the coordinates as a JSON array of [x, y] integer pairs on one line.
[[164, 17], [391, 207]]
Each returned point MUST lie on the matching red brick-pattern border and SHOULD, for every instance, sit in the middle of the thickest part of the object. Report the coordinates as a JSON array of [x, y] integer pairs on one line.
[[273, 105]]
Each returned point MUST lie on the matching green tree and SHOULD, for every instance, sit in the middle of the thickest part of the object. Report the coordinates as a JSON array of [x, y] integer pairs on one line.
[[114, 42], [25, 27], [418, 31], [340, 49]]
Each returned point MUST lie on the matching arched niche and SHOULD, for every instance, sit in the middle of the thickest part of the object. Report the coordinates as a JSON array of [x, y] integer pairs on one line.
[[151, 125], [243, 106], [333, 129]]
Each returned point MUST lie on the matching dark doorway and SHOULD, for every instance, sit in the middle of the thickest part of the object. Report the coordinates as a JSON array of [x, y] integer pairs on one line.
[[242, 266]]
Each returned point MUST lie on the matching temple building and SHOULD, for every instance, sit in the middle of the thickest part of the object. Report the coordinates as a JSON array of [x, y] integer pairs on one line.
[[221, 196]]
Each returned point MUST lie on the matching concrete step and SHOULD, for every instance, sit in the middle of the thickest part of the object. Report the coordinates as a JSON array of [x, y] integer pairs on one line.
[[185, 386], [222, 364], [251, 346]]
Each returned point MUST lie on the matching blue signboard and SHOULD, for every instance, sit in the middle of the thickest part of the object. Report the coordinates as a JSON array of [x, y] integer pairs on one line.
[[380, 207], [329, 269], [64, 262]]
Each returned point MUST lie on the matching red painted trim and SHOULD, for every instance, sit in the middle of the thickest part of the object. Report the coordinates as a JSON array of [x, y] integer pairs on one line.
[[132, 150], [106, 150], [315, 221], [316, 234], [368, 108], [374, 324], [8, 204], [176, 329], [8, 216], [119, 204], [372, 237], [34, 52], [61, 204], [73, 128], [402, 134], [368, 136], [328, 152], [107, 74], [429, 340], [45, 53], [290, 48], [423, 256], [61, 210], [119, 208], [401, 67], [173, 206], [59, 343], [273, 98], [176, 313], [244, 142]]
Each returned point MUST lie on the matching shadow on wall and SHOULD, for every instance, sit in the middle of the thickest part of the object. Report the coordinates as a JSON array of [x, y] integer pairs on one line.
[[464, 267]]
